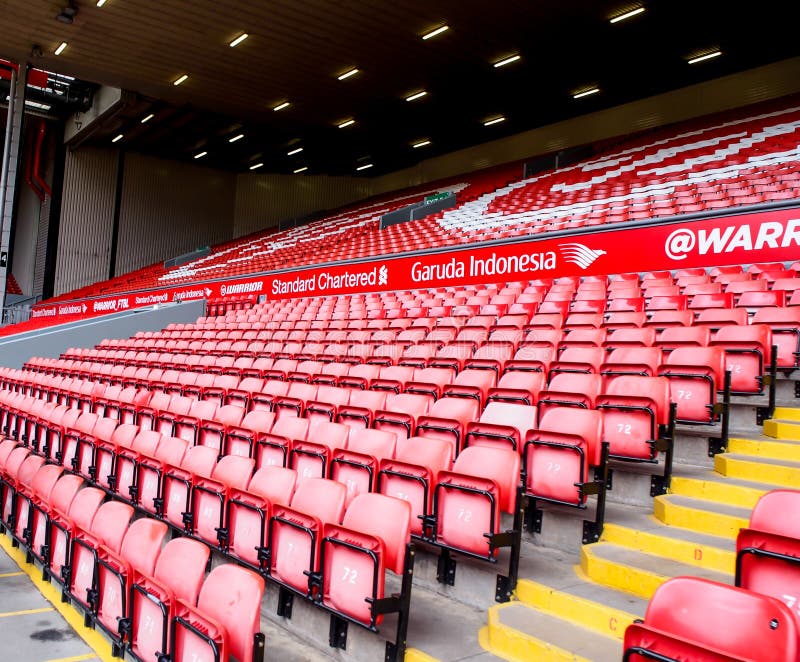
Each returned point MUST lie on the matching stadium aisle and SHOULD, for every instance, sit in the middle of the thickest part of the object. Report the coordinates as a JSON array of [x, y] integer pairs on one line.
[[30, 627]]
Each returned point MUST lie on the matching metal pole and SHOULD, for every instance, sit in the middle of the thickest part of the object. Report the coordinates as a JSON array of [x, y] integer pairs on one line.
[[12, 93]]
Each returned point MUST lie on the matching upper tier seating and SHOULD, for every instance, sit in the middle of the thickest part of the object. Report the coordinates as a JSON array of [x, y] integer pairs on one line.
[[742, 157]]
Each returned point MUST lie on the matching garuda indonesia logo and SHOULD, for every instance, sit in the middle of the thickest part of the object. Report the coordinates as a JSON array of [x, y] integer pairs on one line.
[[580, 254]]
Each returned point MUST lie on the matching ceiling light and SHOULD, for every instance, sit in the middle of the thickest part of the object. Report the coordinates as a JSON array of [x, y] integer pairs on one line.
[[421, 143], [416, 95], [586, 93], [436, 32], [238, 40], [281, 106], [294, 151], [347, 74], [181, 79], [707, 56], [495, 120], [61, 48], [364, 167], [299, 170], [37, 105], [117, 138], [347, 123], [505, 61], [236, 137], [100, 3], [627, 15], [148, 118], [256, 166], [200, 155]]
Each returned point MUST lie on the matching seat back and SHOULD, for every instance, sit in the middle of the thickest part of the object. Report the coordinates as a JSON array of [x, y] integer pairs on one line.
[[276, 484], [234, 471], [231, 596], [720, 618], [321, 498]]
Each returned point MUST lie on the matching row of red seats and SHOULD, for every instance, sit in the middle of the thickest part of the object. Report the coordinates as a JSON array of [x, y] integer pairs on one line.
[[354, 457], [367, 535], [149, 597]]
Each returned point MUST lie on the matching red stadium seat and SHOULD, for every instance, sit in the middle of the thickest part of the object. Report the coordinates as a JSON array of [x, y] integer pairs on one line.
[[226, 620], [295, 532], [558, 458], [402, 413], [311, 457], [448, 419], [768, 550], [198, 461], [747, 351], [116, 569], [413, 472], [248, 513], [502, 424], [689, 618], [357, 466], [178, 574], [695, 375], [467, 503], [205, 518], [518, 387], [374, 537], [785, 326]]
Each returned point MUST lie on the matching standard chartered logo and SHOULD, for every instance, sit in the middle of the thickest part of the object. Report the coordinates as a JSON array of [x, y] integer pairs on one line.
[[383, 275]]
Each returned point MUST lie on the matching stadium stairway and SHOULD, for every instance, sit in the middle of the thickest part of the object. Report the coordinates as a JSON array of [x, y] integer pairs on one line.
[[580, 613]]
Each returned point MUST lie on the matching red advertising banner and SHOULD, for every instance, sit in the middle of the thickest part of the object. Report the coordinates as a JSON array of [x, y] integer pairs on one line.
[[772, 236]]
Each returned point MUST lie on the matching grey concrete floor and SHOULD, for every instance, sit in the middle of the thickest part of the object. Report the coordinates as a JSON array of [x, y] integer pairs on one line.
[[31, 630]]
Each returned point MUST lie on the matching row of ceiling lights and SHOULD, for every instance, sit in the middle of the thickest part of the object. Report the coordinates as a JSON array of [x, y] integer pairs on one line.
[[414, 96]]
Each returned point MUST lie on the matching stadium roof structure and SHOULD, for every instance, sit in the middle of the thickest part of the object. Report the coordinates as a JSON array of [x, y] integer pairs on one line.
[[497, 69]]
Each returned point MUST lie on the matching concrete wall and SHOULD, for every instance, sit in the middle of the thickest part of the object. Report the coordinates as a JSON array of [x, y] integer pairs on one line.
[[264, 200], [87, 217], [169, 208]]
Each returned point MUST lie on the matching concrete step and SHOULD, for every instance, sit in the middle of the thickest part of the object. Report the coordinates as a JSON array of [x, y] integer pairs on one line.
[[711, 486], [584, 603], [782, 429], [767, 447], [519, 633], [635, 572], [560, 614], [707, 517], [778, 473], [681, 545], [787, 414]]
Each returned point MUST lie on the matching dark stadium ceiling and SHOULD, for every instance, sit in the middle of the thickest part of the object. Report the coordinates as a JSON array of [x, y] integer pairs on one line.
[[296, 50]]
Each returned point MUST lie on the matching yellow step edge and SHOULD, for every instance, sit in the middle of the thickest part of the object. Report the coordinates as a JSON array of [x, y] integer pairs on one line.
[[510, 644], [628, 579], [780, 429], [758, 472], [773, 450], [787, 414], [700, 521], [97, 642], [414, 655], [684, 551], [585, 613], [716, 490]]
